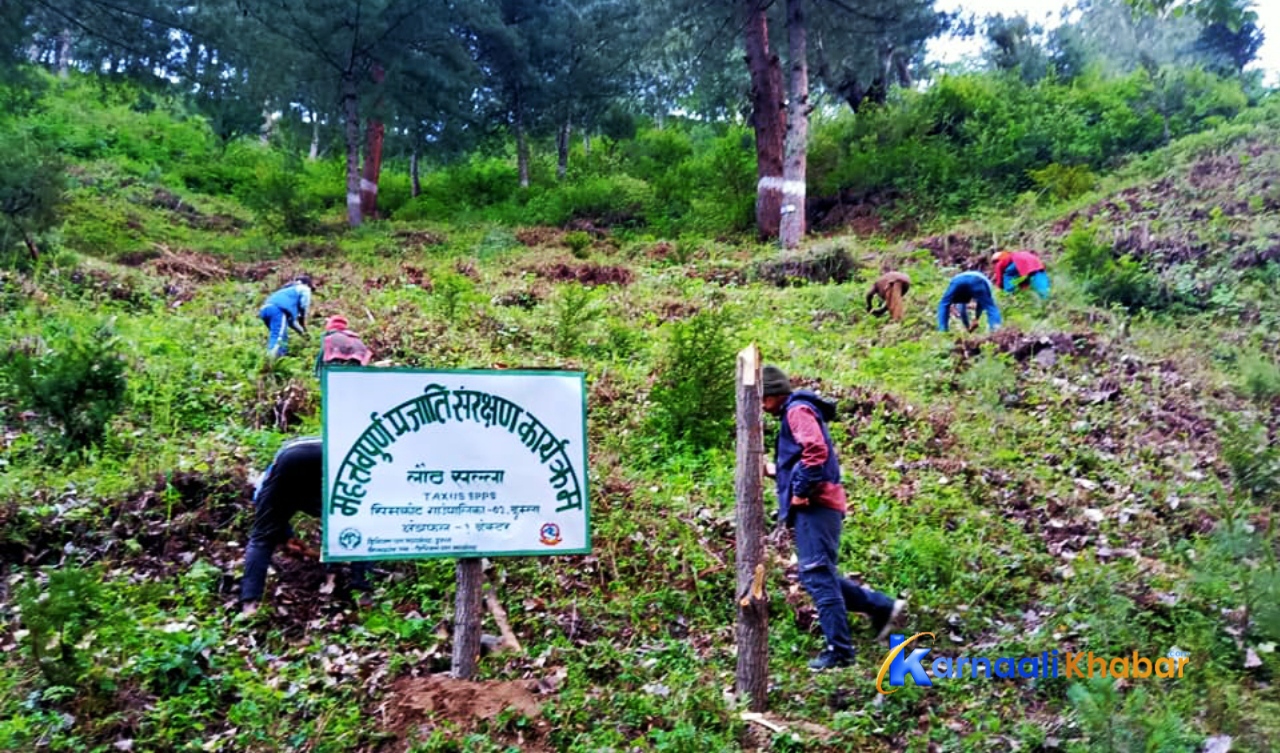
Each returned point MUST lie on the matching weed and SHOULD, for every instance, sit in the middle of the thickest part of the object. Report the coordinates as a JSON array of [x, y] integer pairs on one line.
[[1259, 377], [694, 397], [992, 376], [572, 312], [452, 291], [78, 382], [579, 243], [60, 615]]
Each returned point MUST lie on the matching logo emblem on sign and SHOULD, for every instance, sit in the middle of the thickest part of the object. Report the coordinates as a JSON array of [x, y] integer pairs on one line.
[[349, 538], [549, 534]]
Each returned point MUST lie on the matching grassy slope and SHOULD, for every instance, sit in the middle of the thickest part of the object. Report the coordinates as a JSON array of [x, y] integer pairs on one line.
[[1025, 501]]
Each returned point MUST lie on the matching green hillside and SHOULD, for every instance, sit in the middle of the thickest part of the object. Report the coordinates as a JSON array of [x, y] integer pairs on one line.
[[1100, 475]]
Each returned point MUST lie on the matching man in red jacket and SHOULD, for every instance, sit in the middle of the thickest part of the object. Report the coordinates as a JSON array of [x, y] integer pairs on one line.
[[1020, 269], [812, 502]]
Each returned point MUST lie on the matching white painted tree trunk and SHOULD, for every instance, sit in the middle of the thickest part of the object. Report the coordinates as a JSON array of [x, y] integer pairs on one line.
[[792, 227]]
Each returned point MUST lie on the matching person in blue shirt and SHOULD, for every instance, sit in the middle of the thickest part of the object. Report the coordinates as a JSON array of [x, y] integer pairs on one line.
[[969, 287], [286, 309]]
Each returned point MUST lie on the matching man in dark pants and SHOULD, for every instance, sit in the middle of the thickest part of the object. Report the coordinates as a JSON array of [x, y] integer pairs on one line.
[[812, 501], [292, 484]]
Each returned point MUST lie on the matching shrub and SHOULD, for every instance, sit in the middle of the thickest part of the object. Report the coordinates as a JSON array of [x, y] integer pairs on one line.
[[694, 396], [574, 309], [59, 616], [1259, 377], [578, 242], [279, 198], [78, 383], [614, 200], [1123, 281], [32, 185], [824, 264], [1064, 181], [1252, 456]]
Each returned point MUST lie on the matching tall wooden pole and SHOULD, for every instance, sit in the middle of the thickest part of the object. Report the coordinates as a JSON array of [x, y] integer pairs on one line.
[[753, 612], [466, 618]]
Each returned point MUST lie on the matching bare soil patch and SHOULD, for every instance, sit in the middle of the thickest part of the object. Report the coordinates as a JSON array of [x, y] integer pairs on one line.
[[419, 705]]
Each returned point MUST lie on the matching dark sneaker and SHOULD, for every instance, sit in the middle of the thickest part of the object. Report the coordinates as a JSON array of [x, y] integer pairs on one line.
[[882, 623], [830, 659]]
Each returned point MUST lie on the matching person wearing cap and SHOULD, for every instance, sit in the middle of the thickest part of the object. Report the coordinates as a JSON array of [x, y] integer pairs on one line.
[[341, 346], [1028, 272], [890, 288], [286, 309], [966, 288], [812, 502], [292, 484]]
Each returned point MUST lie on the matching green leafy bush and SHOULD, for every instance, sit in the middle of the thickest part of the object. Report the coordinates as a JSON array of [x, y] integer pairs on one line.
[[578, 242], [1259, 377], [976, 137], [1118, 722], [59, 614], [78, 383], [1064, 181], [693, 401], [278, 195], [1107, 280], [615, 200], [574, 309], [32, 186]]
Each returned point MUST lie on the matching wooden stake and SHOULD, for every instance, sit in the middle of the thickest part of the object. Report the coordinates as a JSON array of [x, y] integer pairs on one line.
[[753, 614], [509, 640], [466, 619]]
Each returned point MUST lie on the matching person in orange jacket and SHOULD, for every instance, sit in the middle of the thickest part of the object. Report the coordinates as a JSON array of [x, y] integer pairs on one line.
[[1027, 271]]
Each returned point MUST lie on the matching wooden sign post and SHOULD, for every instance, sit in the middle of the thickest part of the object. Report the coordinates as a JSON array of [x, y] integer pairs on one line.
[[466, 618], [753, 613]]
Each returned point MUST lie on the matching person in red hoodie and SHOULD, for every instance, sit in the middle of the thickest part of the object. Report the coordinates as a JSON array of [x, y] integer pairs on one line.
[[812, 502], [340, 346], [1027, 271]]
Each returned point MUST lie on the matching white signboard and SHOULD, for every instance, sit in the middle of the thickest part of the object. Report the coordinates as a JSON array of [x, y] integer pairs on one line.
[[453, 464]]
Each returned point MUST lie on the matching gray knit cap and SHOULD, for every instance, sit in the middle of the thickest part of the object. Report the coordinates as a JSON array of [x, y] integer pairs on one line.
[[775, 381]]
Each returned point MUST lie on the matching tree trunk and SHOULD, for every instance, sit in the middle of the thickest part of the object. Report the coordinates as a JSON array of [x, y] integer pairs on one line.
[[314, 154], [372, 167], [586, 142], [268, 122], [562, 150], [351, 114], [753, 612], [415, 183], [31, 246], [792, 226], [64, 53], [522, 143], [767, 117], [466, 618], [373, 153]]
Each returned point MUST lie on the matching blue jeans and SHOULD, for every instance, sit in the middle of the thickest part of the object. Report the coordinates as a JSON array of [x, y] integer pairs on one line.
[[817, 533], [1039, 282], [960, 292], [277, 329]]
